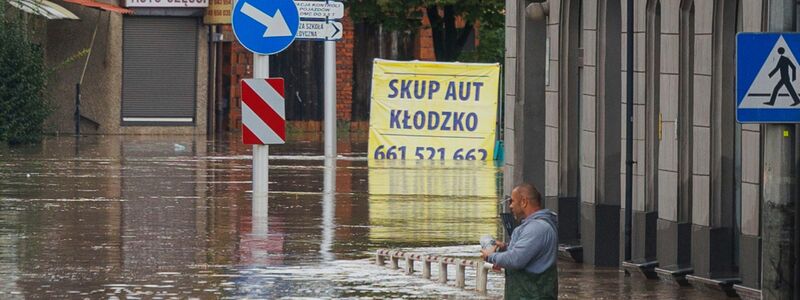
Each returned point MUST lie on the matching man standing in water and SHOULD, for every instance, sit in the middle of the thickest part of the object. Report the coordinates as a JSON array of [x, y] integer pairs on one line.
[[784, 63], [530, 257]]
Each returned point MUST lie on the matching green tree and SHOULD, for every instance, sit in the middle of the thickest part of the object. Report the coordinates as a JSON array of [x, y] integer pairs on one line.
[[491, 47], [448, 40], [23, 80]]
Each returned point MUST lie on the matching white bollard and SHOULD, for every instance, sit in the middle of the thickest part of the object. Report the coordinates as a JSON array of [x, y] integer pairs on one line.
[[460, 269], [481, 268], [394, 262], [380, 260], [426, 269], [482, 278], [409, 265], [442, 271]]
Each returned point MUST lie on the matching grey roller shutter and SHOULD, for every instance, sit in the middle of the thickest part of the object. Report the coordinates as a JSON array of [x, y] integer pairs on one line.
[[159, 70]]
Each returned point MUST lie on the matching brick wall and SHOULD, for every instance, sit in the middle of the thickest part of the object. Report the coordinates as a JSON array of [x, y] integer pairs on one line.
[[241, 64], [344, 71], [424, 45]]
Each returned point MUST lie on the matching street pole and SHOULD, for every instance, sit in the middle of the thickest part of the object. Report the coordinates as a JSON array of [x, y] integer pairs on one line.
[[778, 262], [260, 153], [330, 99], [629, 134]]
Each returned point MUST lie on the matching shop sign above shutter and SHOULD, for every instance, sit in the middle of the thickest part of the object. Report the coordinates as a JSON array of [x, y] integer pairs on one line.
[[166, 3]]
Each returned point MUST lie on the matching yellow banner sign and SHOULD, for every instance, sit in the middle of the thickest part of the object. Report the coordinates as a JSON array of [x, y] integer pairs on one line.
[[433, 111]]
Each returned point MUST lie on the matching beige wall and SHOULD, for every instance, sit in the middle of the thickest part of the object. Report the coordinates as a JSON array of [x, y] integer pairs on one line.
[[510, 85], [551, 98], [102, 84]]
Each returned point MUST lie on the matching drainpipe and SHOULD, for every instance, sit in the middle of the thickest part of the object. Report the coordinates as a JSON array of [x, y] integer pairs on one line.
[[529, 109], [629, 133], [528, 120]]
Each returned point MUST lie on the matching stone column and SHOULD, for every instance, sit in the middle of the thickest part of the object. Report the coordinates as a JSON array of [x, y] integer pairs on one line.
[[600, 172]]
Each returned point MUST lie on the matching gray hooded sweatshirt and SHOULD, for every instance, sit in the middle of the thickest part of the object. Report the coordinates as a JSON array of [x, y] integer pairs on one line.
[[533, 246]]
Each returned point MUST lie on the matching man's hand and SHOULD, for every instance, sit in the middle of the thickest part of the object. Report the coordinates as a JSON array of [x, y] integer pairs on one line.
[[500, 245], [486, 252]]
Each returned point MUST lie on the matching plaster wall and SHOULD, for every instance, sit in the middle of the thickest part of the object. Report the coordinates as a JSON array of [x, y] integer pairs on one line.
[[102, 84]]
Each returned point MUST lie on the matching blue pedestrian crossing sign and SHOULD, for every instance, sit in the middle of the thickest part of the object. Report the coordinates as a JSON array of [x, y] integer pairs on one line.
[[767, 74], [265, 26]]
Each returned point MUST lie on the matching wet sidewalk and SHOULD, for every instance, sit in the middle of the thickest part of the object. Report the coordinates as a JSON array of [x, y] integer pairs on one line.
[[171, 217]]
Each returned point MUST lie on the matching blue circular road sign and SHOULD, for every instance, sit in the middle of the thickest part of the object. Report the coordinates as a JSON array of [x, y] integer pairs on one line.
[[265, 26]]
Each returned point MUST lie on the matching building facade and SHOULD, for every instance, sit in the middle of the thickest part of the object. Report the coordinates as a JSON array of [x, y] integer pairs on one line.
[[174, 67], [697, 190], [147, 71]]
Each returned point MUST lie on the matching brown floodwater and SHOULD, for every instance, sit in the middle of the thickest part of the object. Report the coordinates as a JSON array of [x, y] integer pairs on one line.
[[172, 217]]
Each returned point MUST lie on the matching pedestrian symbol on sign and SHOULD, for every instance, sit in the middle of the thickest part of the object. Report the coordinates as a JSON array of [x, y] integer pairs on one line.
[[783, 65], [767, 84]]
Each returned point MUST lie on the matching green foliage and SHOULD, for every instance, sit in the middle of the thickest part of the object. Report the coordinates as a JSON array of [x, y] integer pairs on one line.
[[488, 12], [23, 81], [397, 15], [491, 47], [75, 57], [405, 15]]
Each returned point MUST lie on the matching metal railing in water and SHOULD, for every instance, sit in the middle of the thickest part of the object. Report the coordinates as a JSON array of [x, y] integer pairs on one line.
[[394, 256]]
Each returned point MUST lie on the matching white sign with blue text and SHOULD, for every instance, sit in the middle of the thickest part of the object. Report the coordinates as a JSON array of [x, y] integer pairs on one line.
[[766, 78], [265, 27]]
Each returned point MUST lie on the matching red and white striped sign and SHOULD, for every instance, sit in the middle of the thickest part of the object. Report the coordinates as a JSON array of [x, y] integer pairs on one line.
[[263, 111]]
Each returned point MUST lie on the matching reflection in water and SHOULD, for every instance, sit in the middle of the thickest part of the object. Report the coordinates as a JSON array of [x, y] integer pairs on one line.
[[328, 204], [172, 217], [436, 202], [162, 219]]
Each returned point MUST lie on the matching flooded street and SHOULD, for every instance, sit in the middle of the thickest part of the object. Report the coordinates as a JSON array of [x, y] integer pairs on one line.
[[171, 217]]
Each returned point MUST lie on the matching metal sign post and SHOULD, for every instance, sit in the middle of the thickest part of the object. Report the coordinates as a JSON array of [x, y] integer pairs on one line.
[[260, 152], [264, 28], [318, 23], [330, 99], [779, 171]]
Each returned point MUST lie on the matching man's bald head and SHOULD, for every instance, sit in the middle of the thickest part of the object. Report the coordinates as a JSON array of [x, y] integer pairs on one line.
[[528, 191]]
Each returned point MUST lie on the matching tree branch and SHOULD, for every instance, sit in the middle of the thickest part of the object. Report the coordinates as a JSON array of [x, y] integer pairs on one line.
[[433, 15], [464, 34], [437, 33], [450, 32]]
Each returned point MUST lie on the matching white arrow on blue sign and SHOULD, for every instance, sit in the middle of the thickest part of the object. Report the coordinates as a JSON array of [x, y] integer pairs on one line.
[[320, 30], [766, 78], [265, 27], [320, 9]]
